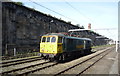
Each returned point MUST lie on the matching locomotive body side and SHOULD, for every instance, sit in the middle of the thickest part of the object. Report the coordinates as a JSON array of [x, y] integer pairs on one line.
[[77, 46]]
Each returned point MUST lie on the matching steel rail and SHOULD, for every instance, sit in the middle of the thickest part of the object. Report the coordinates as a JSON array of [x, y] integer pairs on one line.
[[24, 61], [24, 68], [25, 73], [17, 60], [92, 64]]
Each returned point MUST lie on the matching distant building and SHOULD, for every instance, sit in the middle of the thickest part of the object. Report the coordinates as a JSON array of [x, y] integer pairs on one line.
[[111, 42]]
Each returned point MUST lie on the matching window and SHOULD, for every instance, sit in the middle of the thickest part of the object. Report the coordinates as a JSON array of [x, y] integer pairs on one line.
[[48, 39], [60, 40], [43, 39], [88, 42], [53, 39]]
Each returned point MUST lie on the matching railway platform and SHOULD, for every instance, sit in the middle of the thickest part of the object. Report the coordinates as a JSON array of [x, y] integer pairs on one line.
[[106, 66]]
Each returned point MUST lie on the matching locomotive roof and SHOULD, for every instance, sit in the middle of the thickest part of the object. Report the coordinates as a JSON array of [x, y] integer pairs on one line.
[[71, 37], [58, 34], [79, 38]]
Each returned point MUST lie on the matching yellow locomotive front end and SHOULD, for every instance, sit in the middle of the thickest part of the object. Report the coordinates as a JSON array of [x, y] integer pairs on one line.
[[50, 46]]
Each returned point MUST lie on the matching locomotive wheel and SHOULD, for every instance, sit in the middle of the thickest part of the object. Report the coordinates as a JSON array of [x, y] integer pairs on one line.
[[39, 54], [60, 58], [51, 59], [63, 57]]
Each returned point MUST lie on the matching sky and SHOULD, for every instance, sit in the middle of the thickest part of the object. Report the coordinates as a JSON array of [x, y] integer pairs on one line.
[[102, 14]]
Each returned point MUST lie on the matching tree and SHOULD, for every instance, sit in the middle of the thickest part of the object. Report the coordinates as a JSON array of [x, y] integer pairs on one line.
[[82, 27], [69, 22], [19, 3], [78, 25]]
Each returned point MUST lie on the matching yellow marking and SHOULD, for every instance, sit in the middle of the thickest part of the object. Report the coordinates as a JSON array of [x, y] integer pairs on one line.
[[79, 46], [60, 48]]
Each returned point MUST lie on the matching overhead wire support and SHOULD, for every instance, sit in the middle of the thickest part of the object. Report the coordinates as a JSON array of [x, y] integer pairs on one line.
[[53, 11]]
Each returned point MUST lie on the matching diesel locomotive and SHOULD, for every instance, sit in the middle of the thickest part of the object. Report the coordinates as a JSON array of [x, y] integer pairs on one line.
[[58, 46]]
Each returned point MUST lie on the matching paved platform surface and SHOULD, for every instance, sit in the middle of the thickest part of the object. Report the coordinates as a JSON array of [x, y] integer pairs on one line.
[[107, 66]]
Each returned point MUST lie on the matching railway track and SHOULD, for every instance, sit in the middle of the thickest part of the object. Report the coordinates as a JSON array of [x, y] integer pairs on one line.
[[37, 69], [36, 64], [19, 61], [22, 70], [81, 67], [70, 67], [47, 67], [14, 60]]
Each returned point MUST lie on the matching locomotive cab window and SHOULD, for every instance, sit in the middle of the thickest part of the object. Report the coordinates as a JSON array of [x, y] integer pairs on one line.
[[59, 39], [43, 39], [48, 39], [53, 39]]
